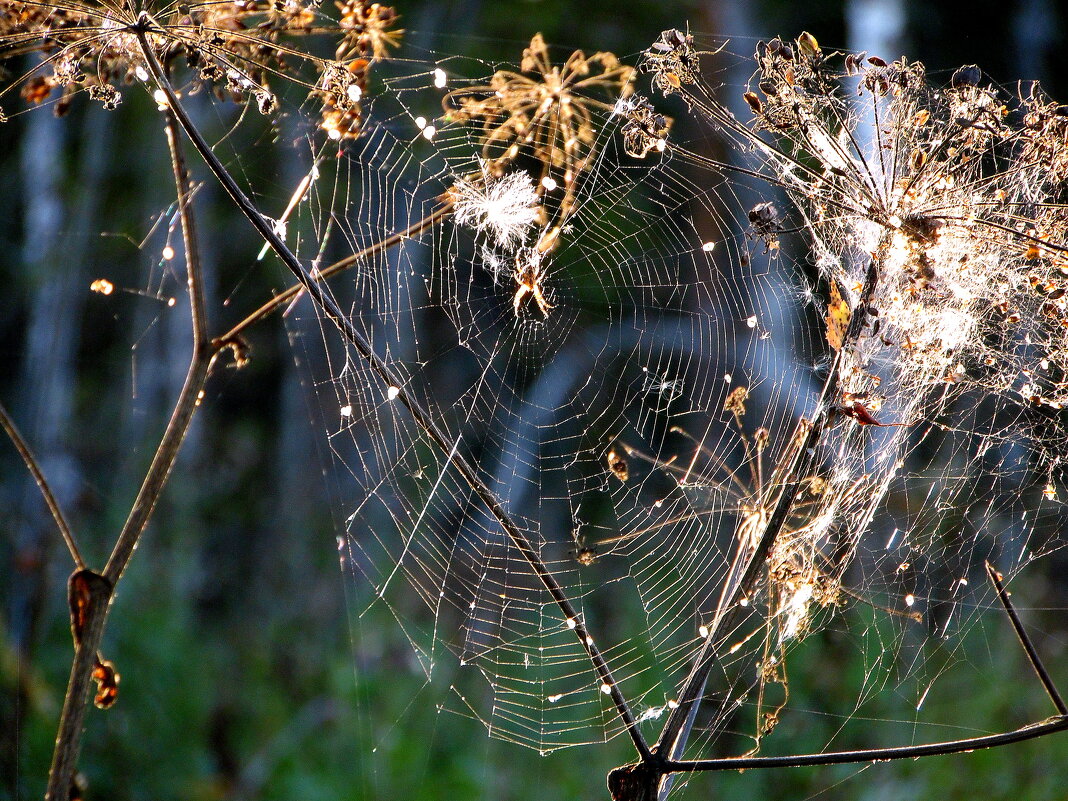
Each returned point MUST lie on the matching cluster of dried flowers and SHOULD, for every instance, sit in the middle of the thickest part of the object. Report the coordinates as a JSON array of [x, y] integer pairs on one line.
[[538, 135], [938, 216], [236, 48], [956, 193]]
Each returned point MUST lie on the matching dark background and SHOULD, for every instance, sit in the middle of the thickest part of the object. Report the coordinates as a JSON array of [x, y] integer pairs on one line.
[[231, 628]]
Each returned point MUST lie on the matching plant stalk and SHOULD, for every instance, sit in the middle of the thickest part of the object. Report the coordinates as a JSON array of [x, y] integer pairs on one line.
[[393, 380], [88, 636]]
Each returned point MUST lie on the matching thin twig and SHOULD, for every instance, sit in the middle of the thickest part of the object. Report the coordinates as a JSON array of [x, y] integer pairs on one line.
[[1048, 726], [393, 380], [89, 635], [42, 484], [203, 353], [413, 230], [1025, 641]]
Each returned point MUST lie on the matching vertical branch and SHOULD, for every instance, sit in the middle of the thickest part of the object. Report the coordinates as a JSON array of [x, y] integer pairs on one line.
[[91, 593], [163, 460]]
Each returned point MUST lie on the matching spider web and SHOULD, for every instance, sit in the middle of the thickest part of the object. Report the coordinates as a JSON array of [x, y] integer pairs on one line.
[[630, 416]]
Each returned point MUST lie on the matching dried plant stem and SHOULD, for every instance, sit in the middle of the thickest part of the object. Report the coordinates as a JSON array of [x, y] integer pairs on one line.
[[1030, 732], [413, 230], [651, 778], [89, 634], [392, 379], [1025, 641], [13, 434], [1056, 723], [203, 354]]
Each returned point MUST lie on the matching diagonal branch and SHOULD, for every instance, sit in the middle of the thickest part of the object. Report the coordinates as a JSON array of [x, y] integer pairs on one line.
[[676, 731], [395, 382], [1025, 641], [13, 434], [413, 230]]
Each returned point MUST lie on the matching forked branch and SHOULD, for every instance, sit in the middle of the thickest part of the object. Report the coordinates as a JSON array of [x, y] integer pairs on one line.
[[91, 592], [395, 382], [1058, 722], [644, 780]]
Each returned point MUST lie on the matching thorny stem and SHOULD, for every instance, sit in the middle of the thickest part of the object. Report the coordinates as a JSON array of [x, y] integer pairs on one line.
[[101, 586], [42, 484], [390, 241], [393, 380]]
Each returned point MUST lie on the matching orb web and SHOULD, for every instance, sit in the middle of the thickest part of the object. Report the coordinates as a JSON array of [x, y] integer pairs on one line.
[[627, 336]]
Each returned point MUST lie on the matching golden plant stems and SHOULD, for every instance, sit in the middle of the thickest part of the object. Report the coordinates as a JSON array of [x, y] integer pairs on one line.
[[412, 231]]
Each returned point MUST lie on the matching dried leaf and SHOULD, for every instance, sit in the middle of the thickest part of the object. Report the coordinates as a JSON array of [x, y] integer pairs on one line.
[[107, 683], [838, 317]]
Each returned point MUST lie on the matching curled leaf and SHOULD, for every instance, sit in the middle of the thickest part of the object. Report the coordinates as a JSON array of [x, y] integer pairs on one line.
[[107, 683]]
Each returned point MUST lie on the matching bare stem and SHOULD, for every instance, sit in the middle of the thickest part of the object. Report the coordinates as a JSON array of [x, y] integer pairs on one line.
[[86, 642], [90, 631], [42, 484], [413, 230], [676, 731], [1025, 641], [1030, 732], [395, 382], [189, 398]]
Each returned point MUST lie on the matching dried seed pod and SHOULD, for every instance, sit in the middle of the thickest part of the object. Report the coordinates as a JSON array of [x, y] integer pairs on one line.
[[617, 464]]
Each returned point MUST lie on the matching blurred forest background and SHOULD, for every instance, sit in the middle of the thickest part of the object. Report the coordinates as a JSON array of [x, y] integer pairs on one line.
[[230, 628]]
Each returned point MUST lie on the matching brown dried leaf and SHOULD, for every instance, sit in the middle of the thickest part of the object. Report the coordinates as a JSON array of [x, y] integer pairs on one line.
[[107, 683]]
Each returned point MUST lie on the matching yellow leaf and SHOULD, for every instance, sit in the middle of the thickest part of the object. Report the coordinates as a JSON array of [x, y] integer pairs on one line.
[[838, 316]]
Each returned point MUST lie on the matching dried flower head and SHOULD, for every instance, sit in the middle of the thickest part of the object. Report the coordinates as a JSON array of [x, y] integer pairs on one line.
[[645, 129], [957, 193], [544, 108], [236, 48], [367, 30]]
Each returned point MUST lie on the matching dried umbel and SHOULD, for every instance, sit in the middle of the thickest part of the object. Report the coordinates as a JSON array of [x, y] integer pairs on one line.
[[545, 108], [956, 192], [539, 134], [237, 48], [936, 216]]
